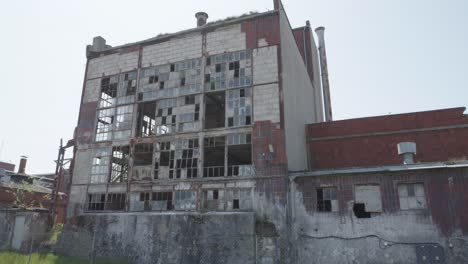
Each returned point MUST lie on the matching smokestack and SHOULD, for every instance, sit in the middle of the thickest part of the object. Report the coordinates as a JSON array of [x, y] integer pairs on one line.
[[201, 18], [22, 165], [320, 31], [408, 150]]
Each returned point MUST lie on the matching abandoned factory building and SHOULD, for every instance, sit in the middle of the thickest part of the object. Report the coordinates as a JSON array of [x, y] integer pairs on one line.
[[216, 145]]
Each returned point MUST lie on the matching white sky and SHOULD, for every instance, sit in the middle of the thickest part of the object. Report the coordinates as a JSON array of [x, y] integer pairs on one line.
[[387, 56]]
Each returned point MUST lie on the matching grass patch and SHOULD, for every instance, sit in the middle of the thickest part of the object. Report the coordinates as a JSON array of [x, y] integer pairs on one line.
[[12, 257]]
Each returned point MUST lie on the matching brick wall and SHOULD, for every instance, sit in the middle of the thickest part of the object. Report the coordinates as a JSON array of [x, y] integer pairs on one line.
[[445, 191], [440, 135]]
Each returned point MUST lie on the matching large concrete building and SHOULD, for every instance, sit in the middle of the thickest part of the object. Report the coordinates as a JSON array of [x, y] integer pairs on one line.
[[195, 147]]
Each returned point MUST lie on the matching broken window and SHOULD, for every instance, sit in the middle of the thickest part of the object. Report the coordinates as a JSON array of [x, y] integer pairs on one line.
[[96, 201], [100, 166], [127, 84], [239, 111], [109, 202], [145, 198], [213, 200], [214, 153], [120, 157], [105, 123], [215, 105], [326, 200], [123, 124], [166, 118], [367, 200], [108, 91], [238, 199], [228, 70], [189, 113], [161, 201], [239, 155], [178, 159], [115, 201], [146, 119], [143, 154], [412, 196], [185, 200]]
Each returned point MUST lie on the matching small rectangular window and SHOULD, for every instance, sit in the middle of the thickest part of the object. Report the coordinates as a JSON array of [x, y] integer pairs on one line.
[[327, 200], [412, 196], [367, 200]]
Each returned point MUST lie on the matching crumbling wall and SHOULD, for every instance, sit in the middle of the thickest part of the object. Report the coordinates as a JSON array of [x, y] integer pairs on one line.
[[163, 238], [433, 230], [18, 228]]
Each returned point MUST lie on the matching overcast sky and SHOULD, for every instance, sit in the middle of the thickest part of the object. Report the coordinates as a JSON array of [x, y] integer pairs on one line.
[[384, 56]]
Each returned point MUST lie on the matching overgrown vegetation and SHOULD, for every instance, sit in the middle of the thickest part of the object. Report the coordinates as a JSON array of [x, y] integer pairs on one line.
[[12, 257]]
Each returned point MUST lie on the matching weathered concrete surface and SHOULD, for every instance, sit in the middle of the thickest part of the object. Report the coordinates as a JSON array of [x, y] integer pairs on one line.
[[19, 227], [163, 238]]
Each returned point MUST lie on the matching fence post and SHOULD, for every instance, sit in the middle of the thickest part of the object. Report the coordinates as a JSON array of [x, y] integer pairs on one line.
[[92, 246], [30, 248]]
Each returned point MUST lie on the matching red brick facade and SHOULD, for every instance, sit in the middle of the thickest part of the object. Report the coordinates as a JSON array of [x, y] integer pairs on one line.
[[440, 135]]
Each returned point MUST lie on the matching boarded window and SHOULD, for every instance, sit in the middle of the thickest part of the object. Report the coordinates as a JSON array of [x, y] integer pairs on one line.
[[412, 196], [370, 197], [326, 200]]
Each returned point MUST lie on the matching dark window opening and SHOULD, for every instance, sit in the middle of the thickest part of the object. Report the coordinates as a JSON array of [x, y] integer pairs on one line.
[[326, 199], [235, 204], [182, 82], [161, 85], [238, 155], [215, 195], [215, 110], [359, 210], [143, 154], [190, 99], [144, 197], [96, 202], [116, 201], [214, 157], [218, 67], [172, 67], [163, 197], [146, 121], [160, 112], [208, 61], [156, 169], [207, 78], [119, 167], [164, 158]]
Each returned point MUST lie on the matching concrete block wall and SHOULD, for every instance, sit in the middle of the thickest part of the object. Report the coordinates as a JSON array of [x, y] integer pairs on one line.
[[177, 49], [225, 39], [112, 64]]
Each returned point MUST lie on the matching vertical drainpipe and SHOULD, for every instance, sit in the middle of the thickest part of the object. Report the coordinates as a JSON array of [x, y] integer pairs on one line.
[[324, 70]]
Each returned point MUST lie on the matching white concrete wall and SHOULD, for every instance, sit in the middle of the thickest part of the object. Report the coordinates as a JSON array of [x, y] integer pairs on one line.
[[92, 90], [298, 97], [178, 49], [112, 64], [225, 39]]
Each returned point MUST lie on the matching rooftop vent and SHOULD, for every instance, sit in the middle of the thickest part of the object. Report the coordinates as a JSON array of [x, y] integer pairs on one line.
[[408, 150], [201, 18]]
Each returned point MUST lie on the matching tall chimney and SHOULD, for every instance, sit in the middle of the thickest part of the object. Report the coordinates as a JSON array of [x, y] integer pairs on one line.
[[324, 70], [201, 18], [22, 165]]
